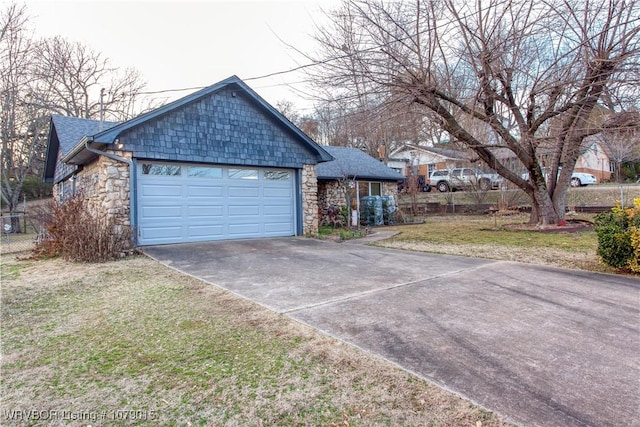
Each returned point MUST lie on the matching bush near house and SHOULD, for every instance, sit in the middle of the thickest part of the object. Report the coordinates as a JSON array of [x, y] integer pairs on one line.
[[619, 237], [75, 234]]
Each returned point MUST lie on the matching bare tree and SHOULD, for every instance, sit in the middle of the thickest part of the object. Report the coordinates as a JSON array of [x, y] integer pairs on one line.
[[76, 81], [533, 72], [40, 78], [21, 123]]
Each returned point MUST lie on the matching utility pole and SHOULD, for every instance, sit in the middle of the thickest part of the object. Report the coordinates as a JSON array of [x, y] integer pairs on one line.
[[101, 109]]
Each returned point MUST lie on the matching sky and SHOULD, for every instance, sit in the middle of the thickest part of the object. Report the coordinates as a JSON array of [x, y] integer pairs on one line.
[[193, 44]]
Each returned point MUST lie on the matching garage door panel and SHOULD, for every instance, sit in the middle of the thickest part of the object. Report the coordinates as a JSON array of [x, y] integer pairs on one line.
[[236, 191], [205, 191], [277, 192], [281, 210], [243, 210], [205, 211], [163, 212], [244, 230], [162, 232], [206, 231], [235, 203], [277, 228], [161, 190]]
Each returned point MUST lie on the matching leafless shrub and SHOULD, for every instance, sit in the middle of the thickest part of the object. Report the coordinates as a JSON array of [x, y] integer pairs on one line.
[[73, 232]]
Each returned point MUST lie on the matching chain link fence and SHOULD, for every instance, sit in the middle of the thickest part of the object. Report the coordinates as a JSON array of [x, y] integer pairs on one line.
[[19, 232]]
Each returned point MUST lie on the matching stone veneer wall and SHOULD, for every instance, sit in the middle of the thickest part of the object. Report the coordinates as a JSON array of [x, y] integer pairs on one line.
[[390, 189], [309, 200], [105, 183], [330, 193], [333, 193]]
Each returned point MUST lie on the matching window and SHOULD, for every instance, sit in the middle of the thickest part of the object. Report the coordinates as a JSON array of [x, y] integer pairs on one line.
[[243, 174], [369, 188], [165, 170], [375, 189], [277, 175], [205, 172]]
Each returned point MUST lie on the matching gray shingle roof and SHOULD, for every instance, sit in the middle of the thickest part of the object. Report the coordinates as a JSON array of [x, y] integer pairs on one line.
[[355, 164], [71, 130]]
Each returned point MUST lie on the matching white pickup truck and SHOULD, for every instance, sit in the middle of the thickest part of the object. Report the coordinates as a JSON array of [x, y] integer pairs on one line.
[[463, 179]]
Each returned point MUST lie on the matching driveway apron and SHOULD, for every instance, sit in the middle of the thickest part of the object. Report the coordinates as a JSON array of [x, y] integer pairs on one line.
[[540, 346]]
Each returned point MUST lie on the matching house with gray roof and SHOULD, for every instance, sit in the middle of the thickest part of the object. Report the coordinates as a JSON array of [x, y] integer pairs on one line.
[[421, 160], [352, 175], [218, 164]]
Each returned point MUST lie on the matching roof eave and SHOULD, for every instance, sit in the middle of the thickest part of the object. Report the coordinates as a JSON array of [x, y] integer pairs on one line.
[[79, 154], [359, 178]]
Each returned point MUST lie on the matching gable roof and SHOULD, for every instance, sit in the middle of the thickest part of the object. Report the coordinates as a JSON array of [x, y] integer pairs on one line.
[[70, 136], [355, 164], [64, 134], [109, 136]]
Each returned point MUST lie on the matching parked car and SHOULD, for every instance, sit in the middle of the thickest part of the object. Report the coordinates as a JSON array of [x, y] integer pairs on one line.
[[463, 179], [578, 179]]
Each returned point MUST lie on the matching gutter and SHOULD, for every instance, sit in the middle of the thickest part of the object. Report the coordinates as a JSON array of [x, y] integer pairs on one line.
[[75, 151], [132, 176]]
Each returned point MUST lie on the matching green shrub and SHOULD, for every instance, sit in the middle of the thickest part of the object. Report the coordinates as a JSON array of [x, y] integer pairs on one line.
[[75, 234], [619, 237]]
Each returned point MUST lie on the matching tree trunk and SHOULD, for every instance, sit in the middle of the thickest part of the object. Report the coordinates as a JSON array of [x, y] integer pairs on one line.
[[543, 209]]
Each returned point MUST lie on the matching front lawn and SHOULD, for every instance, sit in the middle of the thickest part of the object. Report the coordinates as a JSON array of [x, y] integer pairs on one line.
[[483, 236], [134, 343]]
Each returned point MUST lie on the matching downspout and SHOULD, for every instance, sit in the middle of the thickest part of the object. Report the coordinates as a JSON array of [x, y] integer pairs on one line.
[[132, 180]]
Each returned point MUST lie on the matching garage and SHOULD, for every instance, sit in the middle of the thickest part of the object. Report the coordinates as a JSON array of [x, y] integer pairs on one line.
[[220, 163], [192, 203]]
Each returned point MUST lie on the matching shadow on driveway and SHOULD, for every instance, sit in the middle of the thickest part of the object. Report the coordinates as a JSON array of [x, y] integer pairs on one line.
[[537, 345]]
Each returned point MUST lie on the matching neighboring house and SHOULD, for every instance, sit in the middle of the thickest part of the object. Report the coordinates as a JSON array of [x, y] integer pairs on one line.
[[218, 164], [421, 161], [594, 160], [353, 174]]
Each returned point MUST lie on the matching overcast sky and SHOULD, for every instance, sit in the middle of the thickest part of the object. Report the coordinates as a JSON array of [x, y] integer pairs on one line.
[[185, 44]]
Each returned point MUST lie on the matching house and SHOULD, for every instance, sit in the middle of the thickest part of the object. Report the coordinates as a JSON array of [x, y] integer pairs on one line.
[[218, 164], [353, 174], [421, 161], [594, 160]]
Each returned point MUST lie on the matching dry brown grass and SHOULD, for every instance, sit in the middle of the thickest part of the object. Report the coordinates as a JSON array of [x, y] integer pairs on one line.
[[134, 335], [485, 236]]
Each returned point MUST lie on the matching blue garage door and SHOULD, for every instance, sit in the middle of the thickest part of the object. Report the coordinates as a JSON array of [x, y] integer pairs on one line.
[[192, 203]]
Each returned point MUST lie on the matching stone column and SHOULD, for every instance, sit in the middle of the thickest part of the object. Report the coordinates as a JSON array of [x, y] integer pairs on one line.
[[309, 200]]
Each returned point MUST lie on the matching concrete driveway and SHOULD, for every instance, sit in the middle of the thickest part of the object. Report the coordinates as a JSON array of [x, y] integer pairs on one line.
[[540, 346]]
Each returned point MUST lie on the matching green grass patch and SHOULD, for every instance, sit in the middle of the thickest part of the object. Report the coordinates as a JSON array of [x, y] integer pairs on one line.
[[11, 270]]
